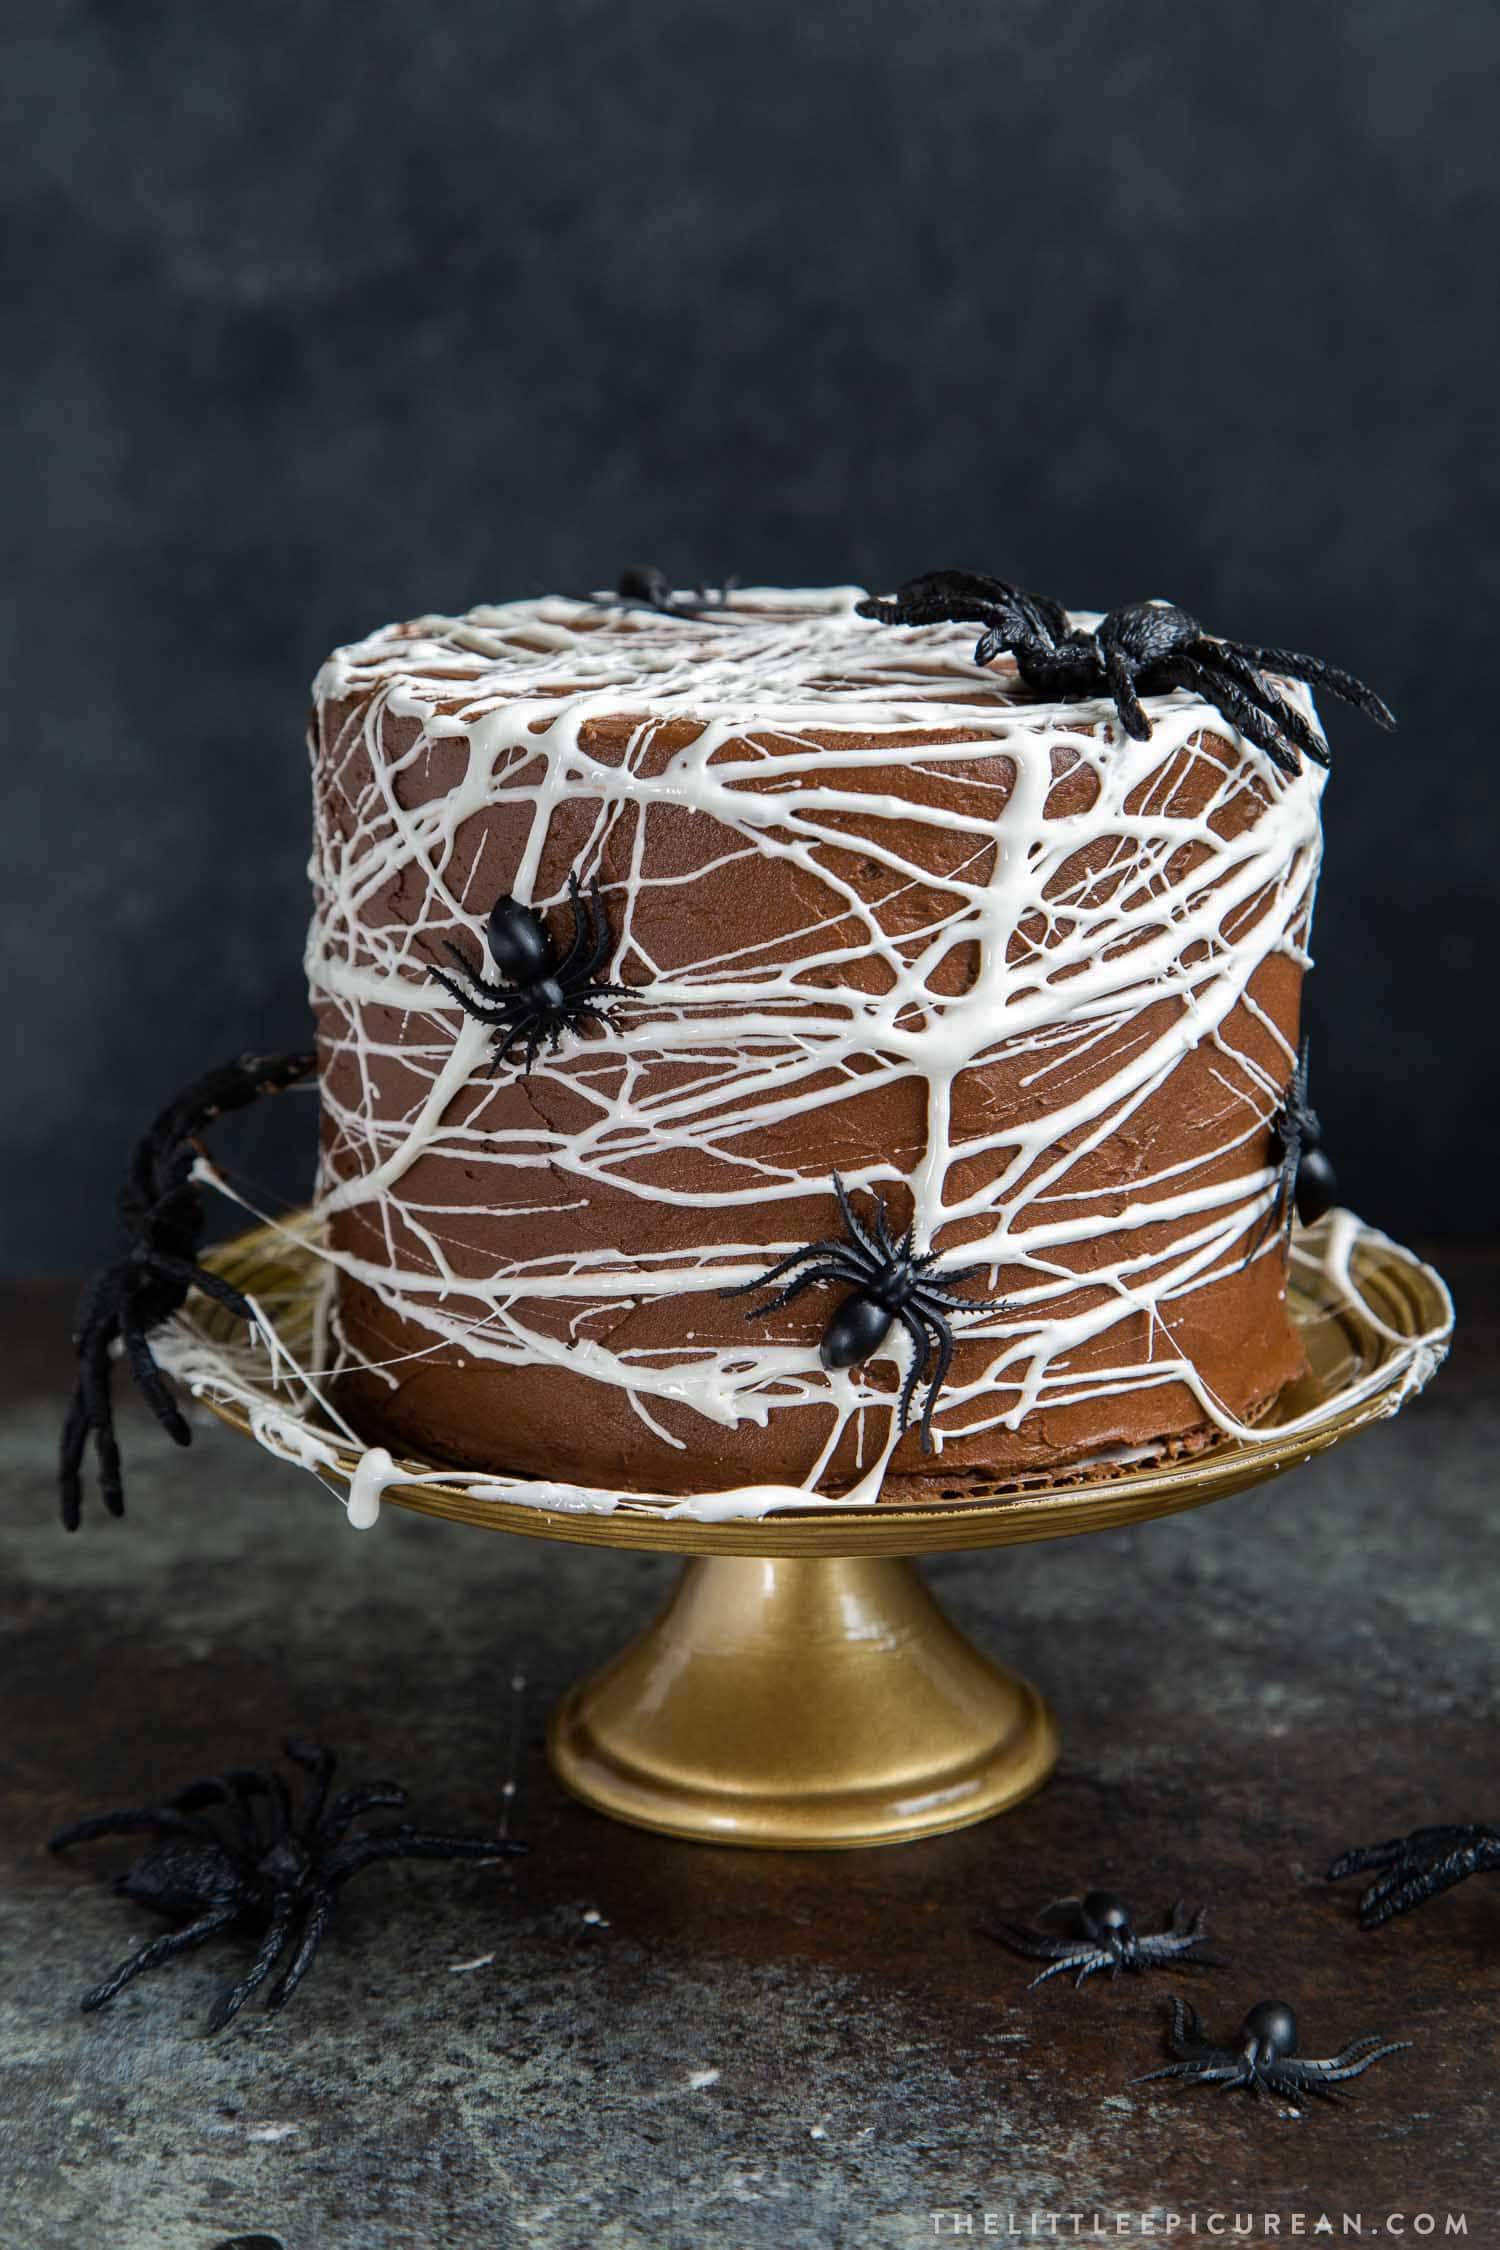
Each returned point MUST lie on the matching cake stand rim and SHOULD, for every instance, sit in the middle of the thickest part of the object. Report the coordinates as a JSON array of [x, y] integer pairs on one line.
[[1410, 1287]]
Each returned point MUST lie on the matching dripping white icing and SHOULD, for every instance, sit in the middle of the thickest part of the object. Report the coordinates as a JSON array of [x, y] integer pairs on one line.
[[781, 693], [374, 1472]]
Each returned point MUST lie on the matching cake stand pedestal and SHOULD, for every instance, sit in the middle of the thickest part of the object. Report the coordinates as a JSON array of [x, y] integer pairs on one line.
[[782, 1701], [802, 1688]]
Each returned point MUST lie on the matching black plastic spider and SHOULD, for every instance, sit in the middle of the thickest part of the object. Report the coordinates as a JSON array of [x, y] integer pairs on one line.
[[162, 1208], [1417, 1867], [643, 587], [1307, 1184], [280, 1873], [1264, 2056], [889, 1285], [1098, 1932], [545, 994], [1147, 648]]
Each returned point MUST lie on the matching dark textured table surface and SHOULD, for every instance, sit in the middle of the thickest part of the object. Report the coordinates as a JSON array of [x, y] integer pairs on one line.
[[621, 2040]]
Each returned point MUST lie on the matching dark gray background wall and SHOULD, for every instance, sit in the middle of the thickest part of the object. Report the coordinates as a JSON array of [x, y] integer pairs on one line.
[[320, 315]]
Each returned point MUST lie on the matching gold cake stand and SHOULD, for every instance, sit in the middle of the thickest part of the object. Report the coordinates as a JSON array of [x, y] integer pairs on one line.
[[802, 1688]]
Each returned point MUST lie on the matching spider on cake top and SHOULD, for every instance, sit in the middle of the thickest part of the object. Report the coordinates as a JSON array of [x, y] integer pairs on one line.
[[1145, 648]]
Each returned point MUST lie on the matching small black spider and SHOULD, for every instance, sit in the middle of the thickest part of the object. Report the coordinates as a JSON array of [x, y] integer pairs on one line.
[[265, 1866], [889, 1285], [1307, 1183], [1417, 1867], [545, 994], [162, 1208], [1098, 1932], [643, 587], [1148, 648], [1263, 2056]]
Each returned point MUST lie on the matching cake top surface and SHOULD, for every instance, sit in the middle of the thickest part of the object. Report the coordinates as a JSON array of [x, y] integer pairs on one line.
[[768, 656]]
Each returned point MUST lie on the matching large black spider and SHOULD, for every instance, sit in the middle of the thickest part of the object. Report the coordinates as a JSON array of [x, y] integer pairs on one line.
[[164, 1217], [1263, 2055], [889, 1284], [265, 1865], [1417, 1867], [1147, 648], [1307, 1182], [644, 587], [1098, 1932], [545, 994]]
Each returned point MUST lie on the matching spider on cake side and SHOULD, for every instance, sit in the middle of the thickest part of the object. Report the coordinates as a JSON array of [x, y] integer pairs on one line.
[[162, 1209], [544, 995], [890, 1284]]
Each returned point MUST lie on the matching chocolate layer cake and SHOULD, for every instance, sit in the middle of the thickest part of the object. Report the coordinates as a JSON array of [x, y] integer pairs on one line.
[[1026, 983]]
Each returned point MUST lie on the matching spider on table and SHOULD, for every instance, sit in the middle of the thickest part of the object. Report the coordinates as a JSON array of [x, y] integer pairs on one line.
[[1411, 1869], [1098, 1932], [1262, 2055], [266, 1865]]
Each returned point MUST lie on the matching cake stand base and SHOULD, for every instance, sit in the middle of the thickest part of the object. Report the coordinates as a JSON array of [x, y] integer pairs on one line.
[[794, 1704]]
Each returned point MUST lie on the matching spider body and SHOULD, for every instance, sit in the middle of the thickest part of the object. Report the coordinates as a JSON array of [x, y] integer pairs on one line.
[[262, 1865], [1411, 1869], [161, 1205], [889, 1284], [545, 994], [1097, 1932], [1263, 2055], [1145, 648]]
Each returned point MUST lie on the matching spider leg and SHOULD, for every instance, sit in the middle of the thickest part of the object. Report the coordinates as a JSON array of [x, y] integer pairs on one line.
[[495, 993], [585, 937], [949, 1300], [495, 1007], [1227, 695], [785, 1265], [152, 1384], [1284, 716], [319, 1762], [820, 1273], [1121, 682], [500, 1049], [1350, 2062], [310, 1938], [199, 1277], [1185, 2030], [160, 1949], [75, 1440], [154, 1820], [1229, 699], [855, 1225], [921, 1352], [1093, 1962], [96, 1390], [1031, 1942], [353, 1802], [944, 1337], [411, 1843], [234, 1996], [1344, 685], [1407, 1887]]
